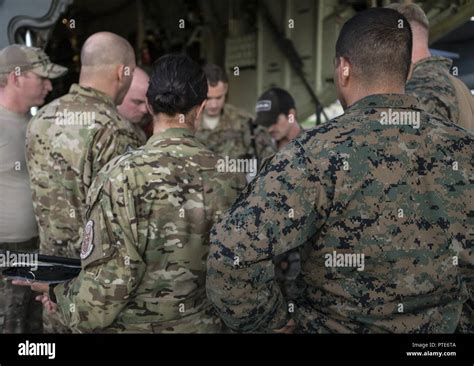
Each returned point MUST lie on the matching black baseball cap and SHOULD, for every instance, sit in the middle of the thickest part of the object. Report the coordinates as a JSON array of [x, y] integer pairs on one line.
[[271, 104]]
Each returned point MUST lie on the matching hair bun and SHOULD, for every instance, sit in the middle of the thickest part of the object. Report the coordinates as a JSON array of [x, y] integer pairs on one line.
[[177, 84], [169, 98]]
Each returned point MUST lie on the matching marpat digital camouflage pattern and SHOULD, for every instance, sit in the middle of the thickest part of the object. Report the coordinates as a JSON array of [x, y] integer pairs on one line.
[[146, 240], [67, 143], [232, 136], [399, 195], [441, 93]]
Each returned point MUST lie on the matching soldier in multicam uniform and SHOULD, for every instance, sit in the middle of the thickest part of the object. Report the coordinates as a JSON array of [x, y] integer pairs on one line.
[[25, 74], [439, 92], [72, 138], [133, 107], [150, 211], [228, 130], [379, 204]]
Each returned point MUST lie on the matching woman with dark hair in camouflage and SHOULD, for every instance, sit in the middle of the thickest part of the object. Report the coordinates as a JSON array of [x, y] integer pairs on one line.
[[150, 212]]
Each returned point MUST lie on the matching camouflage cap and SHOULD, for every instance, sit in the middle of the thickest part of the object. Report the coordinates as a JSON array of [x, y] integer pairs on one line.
[[29, 59]]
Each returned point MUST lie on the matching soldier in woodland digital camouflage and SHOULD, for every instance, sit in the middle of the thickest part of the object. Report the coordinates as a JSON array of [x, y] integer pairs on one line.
[[276, 111], [380, 201]]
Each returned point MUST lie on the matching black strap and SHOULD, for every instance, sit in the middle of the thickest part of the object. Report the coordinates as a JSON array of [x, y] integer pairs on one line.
[[252, 138]]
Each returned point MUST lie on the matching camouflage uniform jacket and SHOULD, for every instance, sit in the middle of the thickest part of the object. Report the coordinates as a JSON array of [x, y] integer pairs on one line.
[[146, 240], [232, 136], [67, 143], [441, 93], [399, 195]]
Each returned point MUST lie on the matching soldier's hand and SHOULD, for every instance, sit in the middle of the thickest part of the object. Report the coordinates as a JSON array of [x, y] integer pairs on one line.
[[35, 286], [43, 288], [50, 306], [289, 328]]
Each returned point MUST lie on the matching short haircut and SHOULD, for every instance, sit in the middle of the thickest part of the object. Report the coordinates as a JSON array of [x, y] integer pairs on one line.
[[105, 48], [177, 84], [378, 44], [413, 13], [214, 74]]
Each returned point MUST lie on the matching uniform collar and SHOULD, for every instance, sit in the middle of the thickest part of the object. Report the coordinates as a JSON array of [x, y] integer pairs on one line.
[[91, 93], [399, 101], [173, 133], [228, 115], [434, 61], [224, 122]]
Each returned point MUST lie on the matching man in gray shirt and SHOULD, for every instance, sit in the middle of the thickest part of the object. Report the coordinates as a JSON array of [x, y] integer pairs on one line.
[[25, 74]]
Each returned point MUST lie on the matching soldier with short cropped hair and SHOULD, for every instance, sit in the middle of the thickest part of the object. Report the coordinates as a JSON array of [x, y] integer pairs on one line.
[[379, 201], [133, 106], [72, 138], [227, 130]]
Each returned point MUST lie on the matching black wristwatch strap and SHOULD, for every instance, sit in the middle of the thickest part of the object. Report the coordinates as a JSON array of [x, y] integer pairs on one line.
[[51, 294]]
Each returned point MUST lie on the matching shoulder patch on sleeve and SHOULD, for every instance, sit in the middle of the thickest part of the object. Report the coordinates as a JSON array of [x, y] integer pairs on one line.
[[87, 241]]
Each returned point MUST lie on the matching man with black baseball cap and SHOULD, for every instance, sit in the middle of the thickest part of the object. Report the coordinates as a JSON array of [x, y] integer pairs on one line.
[[276, 111], [25, 74]]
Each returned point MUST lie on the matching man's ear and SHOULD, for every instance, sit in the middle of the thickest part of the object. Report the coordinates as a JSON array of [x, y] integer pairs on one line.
[[344, 71], [119, 72], [226, 92], [123, 71], [12, 79]]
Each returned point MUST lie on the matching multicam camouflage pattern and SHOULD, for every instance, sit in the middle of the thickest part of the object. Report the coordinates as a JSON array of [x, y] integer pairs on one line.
[[64, 155], [147, 238], [140, 133], [29, 59], [400, 195], [233, 136], [441, 93]]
